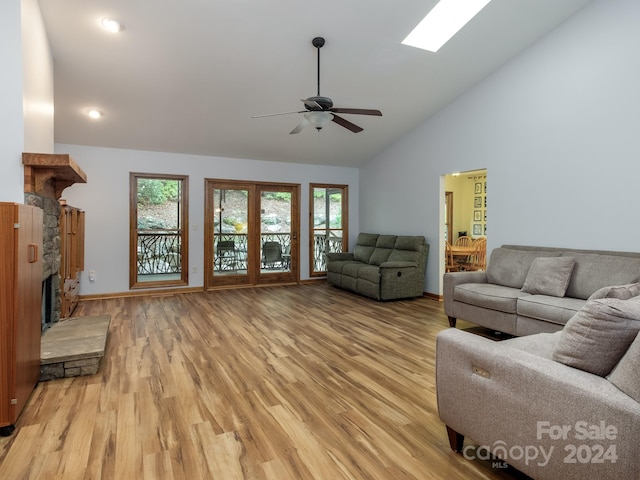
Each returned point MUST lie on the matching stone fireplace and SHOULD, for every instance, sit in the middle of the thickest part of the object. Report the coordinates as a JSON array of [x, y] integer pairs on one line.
[[46, 176]]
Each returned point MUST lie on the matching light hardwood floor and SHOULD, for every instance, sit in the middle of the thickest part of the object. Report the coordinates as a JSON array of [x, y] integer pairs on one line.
[[296, 382]]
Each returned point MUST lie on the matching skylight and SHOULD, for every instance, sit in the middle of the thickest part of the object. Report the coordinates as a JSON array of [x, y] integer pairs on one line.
[[443, 22]]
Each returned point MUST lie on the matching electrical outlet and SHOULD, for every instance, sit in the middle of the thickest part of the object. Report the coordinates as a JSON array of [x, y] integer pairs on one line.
[[195, 269], [92, 275]]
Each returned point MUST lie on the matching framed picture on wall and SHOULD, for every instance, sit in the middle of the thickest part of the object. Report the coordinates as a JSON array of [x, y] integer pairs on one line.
[[477, 215], [477, 202], [478, 188], [477, 229]]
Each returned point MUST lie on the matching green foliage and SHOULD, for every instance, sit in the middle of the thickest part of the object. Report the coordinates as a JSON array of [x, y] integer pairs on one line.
[[153, 191], [277, 196], [321, 193]]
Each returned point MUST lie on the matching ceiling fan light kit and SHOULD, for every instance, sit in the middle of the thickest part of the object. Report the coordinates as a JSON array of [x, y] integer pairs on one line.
[[319, 110], [318, 119]]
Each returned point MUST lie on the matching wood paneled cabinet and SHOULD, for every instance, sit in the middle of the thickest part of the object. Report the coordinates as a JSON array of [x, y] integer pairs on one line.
[[71, 256], [20, 308]]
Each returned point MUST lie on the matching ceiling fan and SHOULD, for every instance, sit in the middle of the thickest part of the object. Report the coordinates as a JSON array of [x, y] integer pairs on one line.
[[320, 110]]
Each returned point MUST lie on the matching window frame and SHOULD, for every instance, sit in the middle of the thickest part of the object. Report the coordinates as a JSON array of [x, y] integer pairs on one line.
[[344, 222], [183, 231]]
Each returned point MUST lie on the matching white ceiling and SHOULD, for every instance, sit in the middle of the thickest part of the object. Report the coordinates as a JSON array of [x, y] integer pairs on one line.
[[186, 76]]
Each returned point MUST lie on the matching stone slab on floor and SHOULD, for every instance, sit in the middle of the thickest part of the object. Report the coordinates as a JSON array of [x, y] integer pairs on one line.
[[73, 347]]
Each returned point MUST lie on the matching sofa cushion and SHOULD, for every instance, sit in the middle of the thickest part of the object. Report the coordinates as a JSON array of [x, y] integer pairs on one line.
[[337, 266], [380, 255], [598, 335], [509, 267], [352, 269], [365, 245], [549, 276], [362, 253], [540, 344], [626, 374], [488, 295], [370, 273], [594, 271], [404, 256], [386, 241], [413, 243], [623, 292], [558, 310]]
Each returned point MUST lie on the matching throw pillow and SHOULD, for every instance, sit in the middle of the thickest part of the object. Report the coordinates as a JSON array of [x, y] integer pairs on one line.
[[549, 276], [626, 374], [598, 335], [623, 292]]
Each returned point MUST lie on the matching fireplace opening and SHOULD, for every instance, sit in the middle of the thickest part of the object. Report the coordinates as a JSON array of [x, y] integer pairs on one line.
[[50, 293]]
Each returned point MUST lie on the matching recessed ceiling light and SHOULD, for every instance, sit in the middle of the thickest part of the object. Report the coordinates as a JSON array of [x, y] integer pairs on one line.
[[94, 113], [111, 24], [443, 22]]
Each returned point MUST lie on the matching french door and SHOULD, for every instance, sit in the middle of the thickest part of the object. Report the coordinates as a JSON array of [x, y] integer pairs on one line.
[[251, 235]]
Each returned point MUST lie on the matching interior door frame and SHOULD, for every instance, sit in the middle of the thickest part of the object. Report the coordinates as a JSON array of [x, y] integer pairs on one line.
[[254, 276], [448, 198]]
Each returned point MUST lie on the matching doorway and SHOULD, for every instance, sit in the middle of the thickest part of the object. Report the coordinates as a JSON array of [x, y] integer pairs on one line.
[[467, 215], [251, 235]]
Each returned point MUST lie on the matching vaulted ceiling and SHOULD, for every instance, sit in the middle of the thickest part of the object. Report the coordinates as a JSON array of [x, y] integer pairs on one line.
[[186, 76]]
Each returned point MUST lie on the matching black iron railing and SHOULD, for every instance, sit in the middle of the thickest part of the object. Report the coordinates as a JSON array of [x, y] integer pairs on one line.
[[159, 252], [323, 244], [235, 258]]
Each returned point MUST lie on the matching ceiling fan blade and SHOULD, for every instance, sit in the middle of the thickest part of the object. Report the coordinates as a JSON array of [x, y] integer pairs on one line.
[[347, 124], [356, 111], [312, 104], [274, 114], [300, 126]]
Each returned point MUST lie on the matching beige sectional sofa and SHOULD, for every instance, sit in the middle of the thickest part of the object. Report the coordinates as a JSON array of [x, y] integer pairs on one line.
[[384, 267], [514, 298]]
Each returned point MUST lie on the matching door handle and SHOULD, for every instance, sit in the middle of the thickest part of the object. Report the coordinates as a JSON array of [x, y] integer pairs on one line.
[[33, 253]]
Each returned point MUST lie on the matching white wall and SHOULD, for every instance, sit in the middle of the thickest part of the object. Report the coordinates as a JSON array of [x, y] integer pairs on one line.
[[11, 119], [38, 81], [26, 92], [105, 199], [558, 129]]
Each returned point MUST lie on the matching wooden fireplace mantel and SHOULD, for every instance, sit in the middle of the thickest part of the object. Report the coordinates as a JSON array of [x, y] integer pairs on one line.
[[48, 174]]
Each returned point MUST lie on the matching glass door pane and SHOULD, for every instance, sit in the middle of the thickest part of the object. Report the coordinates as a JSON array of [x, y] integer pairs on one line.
[[277, 237], [229, 225]]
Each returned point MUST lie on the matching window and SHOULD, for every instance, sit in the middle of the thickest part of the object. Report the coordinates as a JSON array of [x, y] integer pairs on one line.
[[328, 224], [158, 230]]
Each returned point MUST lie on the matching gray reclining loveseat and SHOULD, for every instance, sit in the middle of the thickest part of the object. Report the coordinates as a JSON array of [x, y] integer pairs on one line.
[[383, 267]]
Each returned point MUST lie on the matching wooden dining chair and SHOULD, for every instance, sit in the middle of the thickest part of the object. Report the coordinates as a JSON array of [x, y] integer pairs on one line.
[[479, 257], [450, 263], [464, 241]]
